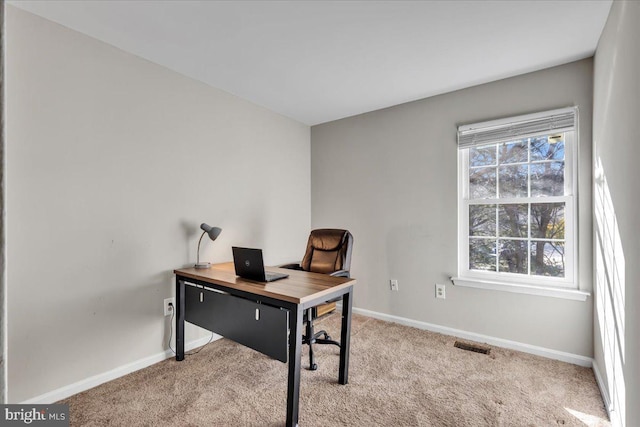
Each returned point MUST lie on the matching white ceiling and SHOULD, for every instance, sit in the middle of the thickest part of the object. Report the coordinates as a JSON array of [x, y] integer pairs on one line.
[[325, 60]]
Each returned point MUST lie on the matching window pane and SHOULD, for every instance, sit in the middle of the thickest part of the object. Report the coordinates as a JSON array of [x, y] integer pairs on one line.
[[513, 256], [547, 179], [541, 149], [547, 259], [513, 152], [513, 181], [518, 219], [482, 254], [482, 220], [482, 156], [513, 220], [482, 183], [547, 220]]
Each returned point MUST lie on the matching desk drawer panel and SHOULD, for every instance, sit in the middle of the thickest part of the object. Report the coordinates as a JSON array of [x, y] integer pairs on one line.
[[258, 326]]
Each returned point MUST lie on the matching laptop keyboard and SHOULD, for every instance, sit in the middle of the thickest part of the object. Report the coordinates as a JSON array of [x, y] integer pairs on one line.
[[274, 276]]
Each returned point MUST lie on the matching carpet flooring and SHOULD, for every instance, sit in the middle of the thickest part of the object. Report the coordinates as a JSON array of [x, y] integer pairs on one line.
[[399, 376]]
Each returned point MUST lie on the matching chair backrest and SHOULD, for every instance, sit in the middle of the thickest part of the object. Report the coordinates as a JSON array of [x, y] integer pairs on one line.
[[328, 250]]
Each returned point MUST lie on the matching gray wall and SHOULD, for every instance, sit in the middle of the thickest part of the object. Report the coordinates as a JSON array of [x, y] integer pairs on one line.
[[616, 127], [112, 163], [390, 176]]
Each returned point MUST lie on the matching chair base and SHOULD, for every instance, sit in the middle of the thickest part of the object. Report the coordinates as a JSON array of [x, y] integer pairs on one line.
[[311, 338]]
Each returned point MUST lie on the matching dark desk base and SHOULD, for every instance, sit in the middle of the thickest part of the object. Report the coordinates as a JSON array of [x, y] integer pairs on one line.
[[258, 326], [295, 315]]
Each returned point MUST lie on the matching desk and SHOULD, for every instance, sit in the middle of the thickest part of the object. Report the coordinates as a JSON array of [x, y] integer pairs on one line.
[[289, 297]]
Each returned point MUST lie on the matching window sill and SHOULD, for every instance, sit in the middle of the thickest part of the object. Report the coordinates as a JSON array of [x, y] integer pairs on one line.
[[572, 294]]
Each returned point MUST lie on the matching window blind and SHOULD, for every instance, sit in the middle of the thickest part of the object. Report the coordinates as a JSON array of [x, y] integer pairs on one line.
[[515, 128]]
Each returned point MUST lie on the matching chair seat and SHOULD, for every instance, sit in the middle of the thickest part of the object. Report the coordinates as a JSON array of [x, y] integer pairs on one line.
[[323, 309]]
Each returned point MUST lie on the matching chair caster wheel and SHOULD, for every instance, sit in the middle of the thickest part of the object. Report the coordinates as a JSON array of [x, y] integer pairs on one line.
[[313, 367]]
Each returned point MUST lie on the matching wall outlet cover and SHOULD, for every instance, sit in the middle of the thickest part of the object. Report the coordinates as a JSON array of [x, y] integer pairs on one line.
[[169, 309]]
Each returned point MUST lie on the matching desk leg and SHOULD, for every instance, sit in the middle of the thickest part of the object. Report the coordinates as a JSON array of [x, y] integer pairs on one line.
[[179, 308], [295, 351], [345, 337]]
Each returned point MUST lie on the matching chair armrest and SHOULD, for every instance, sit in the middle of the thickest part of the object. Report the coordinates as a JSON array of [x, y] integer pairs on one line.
[[291, 266], [340, 273]]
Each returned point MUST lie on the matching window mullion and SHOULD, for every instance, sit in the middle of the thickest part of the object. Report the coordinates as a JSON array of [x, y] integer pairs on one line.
[[497, 234], [529, 208], [529, 238], [521, 200], [497, 207]]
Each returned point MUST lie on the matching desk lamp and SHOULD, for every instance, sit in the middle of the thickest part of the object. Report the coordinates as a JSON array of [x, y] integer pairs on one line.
[[213, 233]]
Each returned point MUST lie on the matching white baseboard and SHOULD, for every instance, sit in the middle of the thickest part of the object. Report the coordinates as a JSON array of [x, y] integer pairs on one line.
[[96, 380], [499, 342], [604, 391]]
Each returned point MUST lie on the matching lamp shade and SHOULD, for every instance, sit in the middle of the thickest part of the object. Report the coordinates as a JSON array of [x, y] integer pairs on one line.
[[213, 232]]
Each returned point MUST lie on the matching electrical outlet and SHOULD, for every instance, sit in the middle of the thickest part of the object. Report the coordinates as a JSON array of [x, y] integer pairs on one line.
[[168, 309], [440, 291], [394, 284]]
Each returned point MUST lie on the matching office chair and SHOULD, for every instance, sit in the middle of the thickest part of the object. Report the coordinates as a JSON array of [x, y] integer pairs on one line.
[[328, 252]]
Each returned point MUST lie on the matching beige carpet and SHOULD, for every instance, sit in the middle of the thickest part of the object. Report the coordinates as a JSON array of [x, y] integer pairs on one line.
[[399, 376]]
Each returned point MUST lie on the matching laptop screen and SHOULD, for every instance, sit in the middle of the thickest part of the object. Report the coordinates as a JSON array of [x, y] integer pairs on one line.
[[249, 265]]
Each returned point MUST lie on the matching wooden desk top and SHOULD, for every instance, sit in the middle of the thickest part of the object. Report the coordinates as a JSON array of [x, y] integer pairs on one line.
[[298, 288]]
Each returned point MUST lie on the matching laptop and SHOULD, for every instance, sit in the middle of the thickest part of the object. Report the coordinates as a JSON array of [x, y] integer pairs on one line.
[[249, 265]]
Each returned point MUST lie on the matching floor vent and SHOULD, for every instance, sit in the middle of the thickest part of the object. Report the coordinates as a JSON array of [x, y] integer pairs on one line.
[[476, 348]]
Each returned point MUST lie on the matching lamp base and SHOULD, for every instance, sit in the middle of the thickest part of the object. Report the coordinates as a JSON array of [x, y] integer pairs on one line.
[[203, 265]]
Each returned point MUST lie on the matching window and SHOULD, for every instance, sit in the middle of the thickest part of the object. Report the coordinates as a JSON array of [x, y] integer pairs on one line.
[[517, 200]]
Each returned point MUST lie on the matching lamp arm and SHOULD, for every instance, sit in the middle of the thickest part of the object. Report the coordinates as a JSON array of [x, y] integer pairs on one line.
[[198, 255]]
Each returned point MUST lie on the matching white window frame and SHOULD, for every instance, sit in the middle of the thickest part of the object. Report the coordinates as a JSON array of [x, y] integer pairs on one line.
[[565, 287]]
